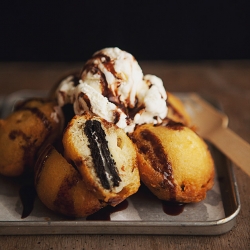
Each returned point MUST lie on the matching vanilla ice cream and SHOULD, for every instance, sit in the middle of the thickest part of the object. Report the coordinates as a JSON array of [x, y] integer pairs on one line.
[[112, 86], [65, 90]]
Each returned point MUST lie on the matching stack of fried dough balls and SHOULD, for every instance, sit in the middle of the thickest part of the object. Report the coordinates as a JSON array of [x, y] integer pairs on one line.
[[100, 164]]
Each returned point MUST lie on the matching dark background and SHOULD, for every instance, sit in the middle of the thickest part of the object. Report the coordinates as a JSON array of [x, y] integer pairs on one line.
[[150, 30]]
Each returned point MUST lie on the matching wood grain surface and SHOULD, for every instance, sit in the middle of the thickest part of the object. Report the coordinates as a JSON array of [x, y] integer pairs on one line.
[[227, 82]]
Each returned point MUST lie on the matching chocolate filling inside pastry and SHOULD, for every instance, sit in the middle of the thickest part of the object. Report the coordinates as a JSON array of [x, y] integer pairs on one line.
[[104, 163]]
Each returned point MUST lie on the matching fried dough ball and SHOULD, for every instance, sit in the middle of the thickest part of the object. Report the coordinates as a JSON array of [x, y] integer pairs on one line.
[[174, 162], [60, 186], [105, 157], [24, 131], [176, 110]]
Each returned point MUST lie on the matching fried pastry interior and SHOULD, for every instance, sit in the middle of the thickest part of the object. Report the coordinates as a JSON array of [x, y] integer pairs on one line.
[[105, 157]]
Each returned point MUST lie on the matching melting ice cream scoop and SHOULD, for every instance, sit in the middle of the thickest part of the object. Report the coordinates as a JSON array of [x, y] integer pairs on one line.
[[112, 85]]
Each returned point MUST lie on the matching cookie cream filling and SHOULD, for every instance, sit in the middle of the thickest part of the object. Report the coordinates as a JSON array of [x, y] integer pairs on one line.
[[104, 164]]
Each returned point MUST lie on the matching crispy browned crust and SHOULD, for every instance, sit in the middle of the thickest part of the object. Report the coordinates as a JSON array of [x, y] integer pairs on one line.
[[174, 162], [61, 188], [23, 132], [176, 110]]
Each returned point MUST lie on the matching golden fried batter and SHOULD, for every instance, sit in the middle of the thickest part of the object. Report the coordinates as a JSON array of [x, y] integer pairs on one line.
[[176, 110], [174, 162], [24, 131], [60, 186]]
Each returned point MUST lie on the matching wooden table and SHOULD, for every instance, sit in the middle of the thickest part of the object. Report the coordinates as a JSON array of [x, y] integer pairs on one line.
[[226, 81]]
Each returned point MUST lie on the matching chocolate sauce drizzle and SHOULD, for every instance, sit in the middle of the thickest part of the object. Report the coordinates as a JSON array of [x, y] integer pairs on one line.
[[159, 161], [41, 116], [64, 201], [105, 213], [171, 124], [172, 208], [27, 195], [103, 161], [112, 94]]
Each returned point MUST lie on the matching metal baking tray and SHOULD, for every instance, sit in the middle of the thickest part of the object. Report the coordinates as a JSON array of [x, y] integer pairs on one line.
[[142, 213]]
